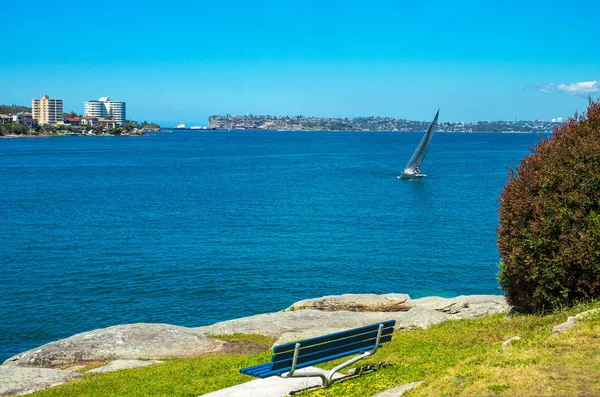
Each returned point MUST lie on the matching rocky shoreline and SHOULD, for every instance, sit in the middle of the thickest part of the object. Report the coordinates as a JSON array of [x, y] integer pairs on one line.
[[301, 320], [31, 136]]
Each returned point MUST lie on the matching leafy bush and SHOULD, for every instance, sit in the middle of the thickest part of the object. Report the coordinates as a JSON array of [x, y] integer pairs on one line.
[[549, 233], [13, 128]]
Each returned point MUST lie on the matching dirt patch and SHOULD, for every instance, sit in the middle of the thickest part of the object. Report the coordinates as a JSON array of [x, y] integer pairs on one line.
[[244, 346]]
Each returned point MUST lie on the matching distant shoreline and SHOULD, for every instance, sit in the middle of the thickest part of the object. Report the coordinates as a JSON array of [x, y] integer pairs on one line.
[[375, 131], [31, 136], [374, 124]]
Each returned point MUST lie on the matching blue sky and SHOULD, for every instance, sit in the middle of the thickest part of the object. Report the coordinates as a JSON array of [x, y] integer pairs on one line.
[[185, 60]]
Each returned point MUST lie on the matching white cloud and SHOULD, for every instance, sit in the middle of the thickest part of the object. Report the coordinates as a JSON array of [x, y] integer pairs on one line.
[[582, 88], [547, 88]]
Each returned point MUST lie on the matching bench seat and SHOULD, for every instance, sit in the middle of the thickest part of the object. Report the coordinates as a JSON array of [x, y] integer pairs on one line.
[[289, 357]]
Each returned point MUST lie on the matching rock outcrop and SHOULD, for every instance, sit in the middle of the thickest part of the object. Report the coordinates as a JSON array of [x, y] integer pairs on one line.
[[574, 320], [356, 303], [119, 342], [305, 323], [465, 306], [153, 341], [15, 381]]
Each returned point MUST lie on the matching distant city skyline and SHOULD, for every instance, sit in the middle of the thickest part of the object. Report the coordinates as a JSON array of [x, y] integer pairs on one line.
[[185, 61]]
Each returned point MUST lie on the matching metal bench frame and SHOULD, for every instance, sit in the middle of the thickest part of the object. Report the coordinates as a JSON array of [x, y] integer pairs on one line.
[[327, 378], [357, 343]]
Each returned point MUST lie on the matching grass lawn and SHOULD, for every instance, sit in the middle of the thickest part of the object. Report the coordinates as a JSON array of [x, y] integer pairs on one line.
[[456, 358]]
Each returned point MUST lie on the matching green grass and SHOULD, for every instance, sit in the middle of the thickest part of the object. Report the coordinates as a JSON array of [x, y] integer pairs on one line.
[[457, 358], [175, 377]]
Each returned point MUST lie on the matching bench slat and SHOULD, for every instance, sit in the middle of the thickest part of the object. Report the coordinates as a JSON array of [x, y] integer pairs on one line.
[[257, 369], [335, 336], [363, 345], [311, 363], [372, 335]]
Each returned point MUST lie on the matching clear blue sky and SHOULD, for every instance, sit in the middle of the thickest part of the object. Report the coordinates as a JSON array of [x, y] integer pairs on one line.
[[185, 60]]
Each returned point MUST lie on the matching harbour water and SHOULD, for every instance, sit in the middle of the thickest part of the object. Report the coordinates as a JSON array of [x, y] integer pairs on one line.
[[191, 228]]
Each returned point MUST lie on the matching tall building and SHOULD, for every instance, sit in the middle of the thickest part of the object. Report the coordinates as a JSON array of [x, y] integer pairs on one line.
[[105, 108], [94, 109], [47, 111]]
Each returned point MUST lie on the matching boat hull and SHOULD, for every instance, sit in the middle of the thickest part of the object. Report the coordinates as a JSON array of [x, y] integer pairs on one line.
[[411, 176]]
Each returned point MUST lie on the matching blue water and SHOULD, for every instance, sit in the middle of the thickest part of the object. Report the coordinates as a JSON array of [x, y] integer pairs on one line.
[[191, 228]]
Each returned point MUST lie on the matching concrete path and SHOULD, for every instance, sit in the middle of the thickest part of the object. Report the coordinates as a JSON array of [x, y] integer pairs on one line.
[[271, 387]]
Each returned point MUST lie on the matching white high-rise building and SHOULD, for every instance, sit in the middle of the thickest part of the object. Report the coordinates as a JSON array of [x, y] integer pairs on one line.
[[47, 111], [104, 107], [116, 111], [94, 109]]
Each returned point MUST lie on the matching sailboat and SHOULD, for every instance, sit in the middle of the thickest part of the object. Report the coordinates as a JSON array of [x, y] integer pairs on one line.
[[412, 171]]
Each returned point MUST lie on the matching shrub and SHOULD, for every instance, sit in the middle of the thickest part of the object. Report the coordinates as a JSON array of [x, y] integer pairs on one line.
[[549, 233]]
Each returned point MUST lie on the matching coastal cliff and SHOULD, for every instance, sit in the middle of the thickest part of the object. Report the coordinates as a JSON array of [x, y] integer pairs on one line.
[[302, 320]]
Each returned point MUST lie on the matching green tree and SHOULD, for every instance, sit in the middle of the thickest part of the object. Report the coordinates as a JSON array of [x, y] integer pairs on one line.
[[549, 233], [47, 129], [14, 109], [147, 125], [130, 125], [16, 128]]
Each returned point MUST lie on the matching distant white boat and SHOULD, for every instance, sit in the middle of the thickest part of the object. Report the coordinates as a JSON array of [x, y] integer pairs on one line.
[[412, 171], [181, 126], [196, 127]]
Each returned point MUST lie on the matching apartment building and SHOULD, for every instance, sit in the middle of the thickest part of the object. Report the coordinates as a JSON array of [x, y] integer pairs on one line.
[[47, 111], [105, 108]]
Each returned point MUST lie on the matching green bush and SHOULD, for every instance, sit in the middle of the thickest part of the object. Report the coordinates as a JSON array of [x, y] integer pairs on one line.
[[549, 233]]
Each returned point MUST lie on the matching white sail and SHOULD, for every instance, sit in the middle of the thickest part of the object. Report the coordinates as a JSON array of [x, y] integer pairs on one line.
[[412, 168]]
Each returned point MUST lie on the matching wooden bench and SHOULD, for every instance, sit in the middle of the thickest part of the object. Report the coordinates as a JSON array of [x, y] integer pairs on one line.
[[290, 357]]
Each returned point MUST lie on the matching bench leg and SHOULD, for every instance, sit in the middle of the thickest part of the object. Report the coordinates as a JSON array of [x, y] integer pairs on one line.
[[324, 377], [292, 374], [327, 378], [345, 364], [355, 359]]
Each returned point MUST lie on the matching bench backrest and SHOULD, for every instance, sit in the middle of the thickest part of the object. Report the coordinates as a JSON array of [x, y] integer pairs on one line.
[[332, 346]]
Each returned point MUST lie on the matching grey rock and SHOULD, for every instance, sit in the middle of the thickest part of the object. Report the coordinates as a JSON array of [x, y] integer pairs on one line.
[[573, 320], [277, 324], [509, 341], [421, 318], [398, 391], [119, 365], [356, 303], [131, 341], [294, 336], [306, 323], [465, 306], [15, 381], [302, 324], [583, 316], [560, 328]]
